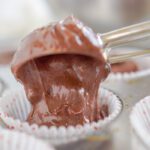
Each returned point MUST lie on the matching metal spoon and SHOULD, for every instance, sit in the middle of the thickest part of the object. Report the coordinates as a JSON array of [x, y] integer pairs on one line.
[[123, 36], [125, 57]]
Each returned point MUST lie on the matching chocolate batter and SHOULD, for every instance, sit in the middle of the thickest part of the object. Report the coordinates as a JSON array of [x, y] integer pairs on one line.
[[61, 67], [128, 66]]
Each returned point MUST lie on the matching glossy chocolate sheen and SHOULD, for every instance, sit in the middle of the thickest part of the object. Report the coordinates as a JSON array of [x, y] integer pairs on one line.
[[61, 67], [69, 36]]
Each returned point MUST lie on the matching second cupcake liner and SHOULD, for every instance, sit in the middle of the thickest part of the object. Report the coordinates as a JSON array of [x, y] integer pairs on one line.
[[140, 122]]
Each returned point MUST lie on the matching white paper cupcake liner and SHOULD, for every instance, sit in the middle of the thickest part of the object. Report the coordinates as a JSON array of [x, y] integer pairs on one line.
[[12, 140], [140, 121], [14, 109], [143, 64]]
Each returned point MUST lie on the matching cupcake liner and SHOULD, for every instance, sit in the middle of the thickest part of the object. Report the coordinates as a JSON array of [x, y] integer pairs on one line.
[[140, 122], [2, 86], [12, 140], [14, 109], [143, 64]]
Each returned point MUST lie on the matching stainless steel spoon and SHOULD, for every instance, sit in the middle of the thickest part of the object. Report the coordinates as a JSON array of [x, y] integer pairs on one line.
[[123, 36]]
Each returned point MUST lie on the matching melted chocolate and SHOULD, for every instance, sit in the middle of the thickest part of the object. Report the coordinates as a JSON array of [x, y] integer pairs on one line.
[[61, 67], [128, 66]]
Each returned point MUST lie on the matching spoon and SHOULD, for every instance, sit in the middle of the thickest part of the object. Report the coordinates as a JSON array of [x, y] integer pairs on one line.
[[125, 57], [122, 36]]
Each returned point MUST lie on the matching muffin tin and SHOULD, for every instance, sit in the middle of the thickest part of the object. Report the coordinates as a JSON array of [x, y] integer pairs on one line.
[[131, 91]]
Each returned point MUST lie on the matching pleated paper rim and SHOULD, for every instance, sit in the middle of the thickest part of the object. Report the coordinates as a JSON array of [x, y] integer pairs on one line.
[[13, 140]]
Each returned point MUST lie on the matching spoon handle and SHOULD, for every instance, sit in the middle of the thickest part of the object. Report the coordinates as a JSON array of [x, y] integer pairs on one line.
[[125, 35], [125, 57]]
